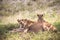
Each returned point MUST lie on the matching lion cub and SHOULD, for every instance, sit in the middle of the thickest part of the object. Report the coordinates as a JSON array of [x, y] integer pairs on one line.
[[47, 26], [25, 23]]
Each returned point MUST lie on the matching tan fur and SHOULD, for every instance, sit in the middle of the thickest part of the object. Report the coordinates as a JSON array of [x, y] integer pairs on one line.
[[41, 24], [25, 22], [30, 26], [47, 26], [36, 27]]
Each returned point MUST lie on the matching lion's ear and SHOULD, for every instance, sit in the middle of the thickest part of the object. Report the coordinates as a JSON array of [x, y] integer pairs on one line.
[[40, 15], [37, 14], [18, 20]]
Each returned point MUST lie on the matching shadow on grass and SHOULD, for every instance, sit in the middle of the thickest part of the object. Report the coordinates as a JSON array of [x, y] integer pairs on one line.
[[57, 24], [5, 29]]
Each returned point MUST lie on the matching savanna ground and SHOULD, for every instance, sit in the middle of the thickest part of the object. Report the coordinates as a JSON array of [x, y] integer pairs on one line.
[[7, 23]]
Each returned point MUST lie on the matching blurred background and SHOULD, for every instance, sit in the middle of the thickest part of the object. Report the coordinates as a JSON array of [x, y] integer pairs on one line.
[[11, 10]]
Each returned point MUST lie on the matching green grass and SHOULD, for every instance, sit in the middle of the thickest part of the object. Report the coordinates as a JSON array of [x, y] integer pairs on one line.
[[5, 29], [6, 35], [57, 24]]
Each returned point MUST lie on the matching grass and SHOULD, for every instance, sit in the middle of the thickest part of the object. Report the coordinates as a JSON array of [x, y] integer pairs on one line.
[[57, 24], [6, 35], [8, 22], [5, 29], [29, 36]]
